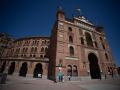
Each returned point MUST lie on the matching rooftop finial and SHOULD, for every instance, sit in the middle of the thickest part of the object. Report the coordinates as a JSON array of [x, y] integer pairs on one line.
[[78, 11], [60, 8]]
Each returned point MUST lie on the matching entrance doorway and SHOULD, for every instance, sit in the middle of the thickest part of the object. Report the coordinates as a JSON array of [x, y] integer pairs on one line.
[[11, 68], [38, 71], [75, 72], [2, 67], [69, 70], [94, 67], [23, 70]]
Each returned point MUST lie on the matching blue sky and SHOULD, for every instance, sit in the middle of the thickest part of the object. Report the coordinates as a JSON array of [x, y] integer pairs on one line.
[[21, 18]]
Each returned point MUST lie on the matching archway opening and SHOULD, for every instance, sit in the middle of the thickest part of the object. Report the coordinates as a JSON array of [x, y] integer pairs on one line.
[[38, 71], [3, 67], [69, 70], [75, 71], [11, 68], [23, 70], [94, 66]]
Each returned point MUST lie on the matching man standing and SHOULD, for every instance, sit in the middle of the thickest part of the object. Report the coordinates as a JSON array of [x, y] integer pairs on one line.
[[60, 76]]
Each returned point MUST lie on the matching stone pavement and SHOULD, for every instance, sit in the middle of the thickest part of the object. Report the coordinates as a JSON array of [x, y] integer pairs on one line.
[[99, 84], [22, 83]]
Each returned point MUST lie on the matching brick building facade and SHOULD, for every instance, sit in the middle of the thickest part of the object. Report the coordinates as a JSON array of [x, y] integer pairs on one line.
[[79, 48]]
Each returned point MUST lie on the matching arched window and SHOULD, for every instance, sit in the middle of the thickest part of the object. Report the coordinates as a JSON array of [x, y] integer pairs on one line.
[[106, 56], [46, 49], [41, 56], [88, 39], [45, 56], [37, 42], [32, 49], [82, 40], [101, 39], [24, 55], [42, 49], [71, 51], [23, 50], [18, 50], [34, 55], [35, 49], [30, 55], [70, 29], [103, 46], [70, 39], [33, 42], [43, 42], [26, 49]]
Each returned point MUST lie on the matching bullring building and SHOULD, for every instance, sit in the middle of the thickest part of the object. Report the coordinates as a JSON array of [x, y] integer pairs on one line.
[[27, 56], [76, 47]]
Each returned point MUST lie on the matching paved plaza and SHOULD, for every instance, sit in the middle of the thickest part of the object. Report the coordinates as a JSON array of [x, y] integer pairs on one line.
[[22, 83]]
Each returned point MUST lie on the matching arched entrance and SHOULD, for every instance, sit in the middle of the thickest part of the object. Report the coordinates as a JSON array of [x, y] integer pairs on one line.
[[94, 67], [38, 71], [75, 72], [69, 70], [23, 70], [2, 67], [11, 68]]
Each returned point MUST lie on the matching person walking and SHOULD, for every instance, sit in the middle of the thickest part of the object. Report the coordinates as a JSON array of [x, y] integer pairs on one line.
[[63, 78], [69, 77]]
